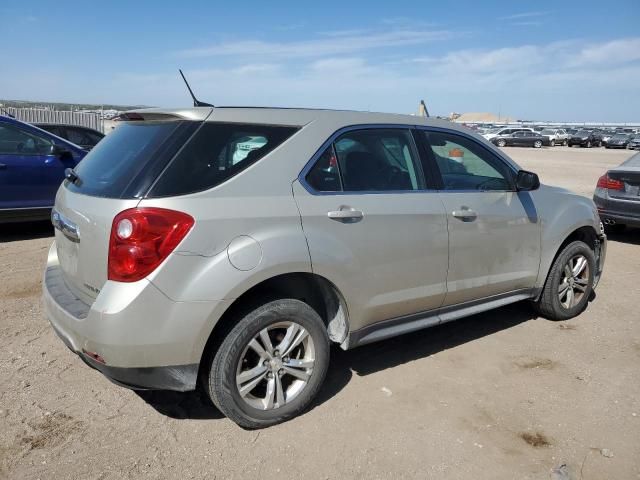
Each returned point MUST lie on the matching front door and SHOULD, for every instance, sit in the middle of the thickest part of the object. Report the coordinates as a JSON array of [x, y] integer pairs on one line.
[[372, 227], [494, 231]]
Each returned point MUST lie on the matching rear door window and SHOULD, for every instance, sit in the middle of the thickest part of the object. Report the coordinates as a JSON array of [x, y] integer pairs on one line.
[[217, 152], [372, 160]]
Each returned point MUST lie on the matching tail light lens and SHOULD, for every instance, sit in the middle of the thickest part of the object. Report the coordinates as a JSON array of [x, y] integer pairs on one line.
[[141, 238], [609, 183]]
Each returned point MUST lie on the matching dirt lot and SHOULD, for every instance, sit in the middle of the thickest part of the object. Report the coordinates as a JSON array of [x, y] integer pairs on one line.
[[502, 395]]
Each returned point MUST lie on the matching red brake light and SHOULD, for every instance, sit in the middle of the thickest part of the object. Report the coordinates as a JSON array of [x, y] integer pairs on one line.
[[609, 183], [141, 238]]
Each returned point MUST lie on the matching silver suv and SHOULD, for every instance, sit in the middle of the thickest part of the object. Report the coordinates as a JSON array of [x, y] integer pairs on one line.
[[227, 248]]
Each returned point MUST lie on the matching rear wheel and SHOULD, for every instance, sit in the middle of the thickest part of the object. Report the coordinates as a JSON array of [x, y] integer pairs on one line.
[[569, 283], [271, 365], [537, 144]]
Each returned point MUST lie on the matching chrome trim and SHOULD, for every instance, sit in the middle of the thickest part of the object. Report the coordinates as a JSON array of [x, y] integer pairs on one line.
[[66, 226]]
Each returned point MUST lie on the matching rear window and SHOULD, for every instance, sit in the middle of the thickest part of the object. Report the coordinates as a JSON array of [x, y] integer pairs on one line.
[[126, 162], [217, 152]]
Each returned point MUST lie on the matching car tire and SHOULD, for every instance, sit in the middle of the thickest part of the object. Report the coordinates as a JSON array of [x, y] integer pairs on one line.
[[589, 144], [235, 357], [562, 298], [565, 143], [501, 143], [537, 144]]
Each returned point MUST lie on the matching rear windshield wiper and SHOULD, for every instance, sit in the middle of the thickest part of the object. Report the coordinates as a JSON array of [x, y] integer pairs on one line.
[[72, 176]]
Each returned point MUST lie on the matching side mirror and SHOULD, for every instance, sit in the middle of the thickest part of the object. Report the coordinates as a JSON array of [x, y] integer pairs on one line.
[[61, 152], [527, 181]]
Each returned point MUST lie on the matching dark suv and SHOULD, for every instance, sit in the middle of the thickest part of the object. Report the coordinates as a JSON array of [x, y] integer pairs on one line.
[[585, 138]]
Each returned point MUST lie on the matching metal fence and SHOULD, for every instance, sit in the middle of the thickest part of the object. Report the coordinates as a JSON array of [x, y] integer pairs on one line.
[[37, 115]]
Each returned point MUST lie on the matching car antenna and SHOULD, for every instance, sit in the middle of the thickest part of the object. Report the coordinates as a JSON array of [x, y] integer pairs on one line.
[[196, 102]]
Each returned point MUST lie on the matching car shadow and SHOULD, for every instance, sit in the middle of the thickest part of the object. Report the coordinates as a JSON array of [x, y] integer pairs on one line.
[[628, 235], [363, 360], [15, 232]]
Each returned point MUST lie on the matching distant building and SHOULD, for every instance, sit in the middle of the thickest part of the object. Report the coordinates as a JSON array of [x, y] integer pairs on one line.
[[480, 117]]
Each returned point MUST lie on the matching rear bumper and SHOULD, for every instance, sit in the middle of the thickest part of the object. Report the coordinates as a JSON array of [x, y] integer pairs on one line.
[[132, 333], [611, 218]]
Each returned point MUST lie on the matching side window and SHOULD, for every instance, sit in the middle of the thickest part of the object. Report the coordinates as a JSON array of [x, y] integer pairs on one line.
[[325, 176], [466, 165], [14, 141], [217, 152], [378, 160], [77, 136]]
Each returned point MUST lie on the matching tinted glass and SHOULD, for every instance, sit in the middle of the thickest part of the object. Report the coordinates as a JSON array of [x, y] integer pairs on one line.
[[217, 152], [467, 165], [325, 176], [15, 141], [378, 160], [122, 164]]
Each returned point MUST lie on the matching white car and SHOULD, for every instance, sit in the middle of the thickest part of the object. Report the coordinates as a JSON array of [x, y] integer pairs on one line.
[[556, 135], [505, 131]]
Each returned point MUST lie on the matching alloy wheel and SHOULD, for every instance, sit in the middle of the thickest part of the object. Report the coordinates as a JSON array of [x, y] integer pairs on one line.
[[275, 366], [574, 281]]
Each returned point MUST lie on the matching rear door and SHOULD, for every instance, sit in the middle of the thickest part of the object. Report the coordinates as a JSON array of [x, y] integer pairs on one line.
[[494, 231], [30, 173], [372, 227]]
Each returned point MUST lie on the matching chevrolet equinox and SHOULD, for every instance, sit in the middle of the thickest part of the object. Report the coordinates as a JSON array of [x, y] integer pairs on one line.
[[228, 247]]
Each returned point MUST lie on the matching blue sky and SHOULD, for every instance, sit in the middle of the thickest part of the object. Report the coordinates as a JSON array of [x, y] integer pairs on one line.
[[558, 60]]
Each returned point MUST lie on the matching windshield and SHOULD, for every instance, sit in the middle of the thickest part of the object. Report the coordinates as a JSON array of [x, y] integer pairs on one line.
[[619, 136], [548, 131]]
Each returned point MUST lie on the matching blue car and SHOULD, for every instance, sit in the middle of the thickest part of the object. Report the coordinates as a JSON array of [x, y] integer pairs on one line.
[[32, 165]]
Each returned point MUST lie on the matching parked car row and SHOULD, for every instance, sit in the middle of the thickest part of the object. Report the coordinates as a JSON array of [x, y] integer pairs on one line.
[[583, 137]]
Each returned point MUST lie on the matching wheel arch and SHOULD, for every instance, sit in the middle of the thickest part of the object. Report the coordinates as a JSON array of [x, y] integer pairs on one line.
[[314, 290], [584, 233]]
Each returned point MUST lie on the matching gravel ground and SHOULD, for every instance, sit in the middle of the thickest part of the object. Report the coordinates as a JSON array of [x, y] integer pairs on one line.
[[501, 395]]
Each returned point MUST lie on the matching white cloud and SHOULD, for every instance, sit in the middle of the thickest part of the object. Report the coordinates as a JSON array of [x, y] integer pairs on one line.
[[339, 43], [616, 51], [563, 81], [517, 16]]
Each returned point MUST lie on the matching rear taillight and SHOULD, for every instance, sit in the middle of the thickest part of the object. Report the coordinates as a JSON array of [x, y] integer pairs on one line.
[[609, 183], [141, 238]]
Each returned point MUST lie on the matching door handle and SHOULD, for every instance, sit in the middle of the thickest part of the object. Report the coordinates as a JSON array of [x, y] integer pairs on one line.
[[3, 166], [465, 214], [346, 214]]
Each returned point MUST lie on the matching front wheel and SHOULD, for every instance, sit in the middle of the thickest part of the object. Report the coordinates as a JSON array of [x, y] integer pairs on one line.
[[569, 283], [565, 143], [589, 144], [501, 143], [271, 365]]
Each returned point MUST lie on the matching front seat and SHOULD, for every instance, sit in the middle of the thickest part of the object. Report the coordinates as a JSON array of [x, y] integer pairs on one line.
[[362, 171]]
